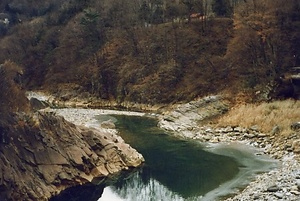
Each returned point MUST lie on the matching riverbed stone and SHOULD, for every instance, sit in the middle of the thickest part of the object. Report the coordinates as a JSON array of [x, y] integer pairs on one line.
[[273, 188], [298, 184], [262, 135], [275, 130], [296, 146], [108, 124], [256, 196], [295, 126], [249, 135], [279, 195], [228, 129], [238, 129], [295, 192], [207, 137], [254, 128]]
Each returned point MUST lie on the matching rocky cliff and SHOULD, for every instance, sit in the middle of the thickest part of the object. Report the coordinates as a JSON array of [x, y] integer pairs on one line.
[[43, 154]]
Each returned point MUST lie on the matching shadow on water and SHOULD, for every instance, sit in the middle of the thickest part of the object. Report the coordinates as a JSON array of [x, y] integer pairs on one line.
[[179, 169]]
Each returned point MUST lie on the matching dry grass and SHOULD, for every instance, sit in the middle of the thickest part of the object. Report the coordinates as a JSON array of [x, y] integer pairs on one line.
[[264, 115]]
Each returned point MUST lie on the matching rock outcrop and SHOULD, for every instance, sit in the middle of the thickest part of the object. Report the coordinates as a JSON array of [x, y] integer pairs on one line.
[[42, 154], [186, 117]]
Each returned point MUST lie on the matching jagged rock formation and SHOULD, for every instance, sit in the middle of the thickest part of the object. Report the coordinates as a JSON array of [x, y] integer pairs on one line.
[[42, 154]]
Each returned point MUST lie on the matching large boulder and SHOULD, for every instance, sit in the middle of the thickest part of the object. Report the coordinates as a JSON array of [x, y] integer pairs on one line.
[[37, 104]]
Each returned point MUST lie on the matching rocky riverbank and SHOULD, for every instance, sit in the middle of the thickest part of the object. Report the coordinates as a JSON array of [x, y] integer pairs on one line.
[[42, 154], [282, 183], [190, 121]]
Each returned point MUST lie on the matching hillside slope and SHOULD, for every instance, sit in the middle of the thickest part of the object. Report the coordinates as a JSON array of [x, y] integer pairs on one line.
[[106, 50]]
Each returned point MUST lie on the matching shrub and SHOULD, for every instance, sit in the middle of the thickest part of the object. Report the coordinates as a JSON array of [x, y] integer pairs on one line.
[[12, 96]]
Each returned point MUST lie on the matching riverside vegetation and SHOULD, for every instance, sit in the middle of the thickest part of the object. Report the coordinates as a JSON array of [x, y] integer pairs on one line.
[[149, 55], [147, 52]]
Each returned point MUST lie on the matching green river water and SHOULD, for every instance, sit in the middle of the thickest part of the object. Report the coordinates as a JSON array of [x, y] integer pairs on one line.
[[174, 169], [177, 169]]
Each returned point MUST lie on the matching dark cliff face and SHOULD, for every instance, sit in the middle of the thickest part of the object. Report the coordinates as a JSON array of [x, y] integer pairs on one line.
[[43, 154]]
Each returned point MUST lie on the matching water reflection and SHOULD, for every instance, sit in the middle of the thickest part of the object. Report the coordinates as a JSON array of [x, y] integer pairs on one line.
[[174, 169], [136, 188]]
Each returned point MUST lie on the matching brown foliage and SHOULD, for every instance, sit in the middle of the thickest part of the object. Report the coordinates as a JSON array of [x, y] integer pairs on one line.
[[265, 42], [112, 55], [12, 97]]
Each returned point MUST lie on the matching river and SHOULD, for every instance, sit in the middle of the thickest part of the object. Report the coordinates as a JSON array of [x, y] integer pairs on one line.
[[174, 169], [177, 169]]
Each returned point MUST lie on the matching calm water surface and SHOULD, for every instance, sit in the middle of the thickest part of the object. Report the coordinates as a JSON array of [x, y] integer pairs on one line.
[[177, 169]]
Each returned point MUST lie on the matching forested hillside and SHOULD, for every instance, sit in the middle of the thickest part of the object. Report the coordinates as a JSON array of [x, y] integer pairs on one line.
[[144, 54], [152, 51]]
